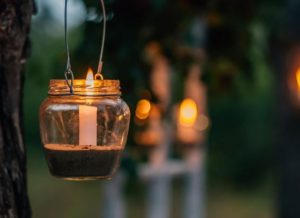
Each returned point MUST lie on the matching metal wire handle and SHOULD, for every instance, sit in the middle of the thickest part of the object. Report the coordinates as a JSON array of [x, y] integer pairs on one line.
[[100, 64], [69, 76]]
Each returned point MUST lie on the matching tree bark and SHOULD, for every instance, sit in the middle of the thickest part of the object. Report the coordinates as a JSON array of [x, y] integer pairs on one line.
[[15, 17]]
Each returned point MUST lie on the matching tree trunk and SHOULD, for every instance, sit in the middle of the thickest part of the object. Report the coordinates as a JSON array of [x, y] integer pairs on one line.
[[15, 17]]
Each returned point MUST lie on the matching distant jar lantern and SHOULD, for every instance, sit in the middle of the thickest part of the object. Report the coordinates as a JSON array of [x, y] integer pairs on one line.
[[84, 133], [294, 88]]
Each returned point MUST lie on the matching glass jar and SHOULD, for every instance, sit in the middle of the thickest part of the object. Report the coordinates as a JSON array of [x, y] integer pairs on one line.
[[84, 134]]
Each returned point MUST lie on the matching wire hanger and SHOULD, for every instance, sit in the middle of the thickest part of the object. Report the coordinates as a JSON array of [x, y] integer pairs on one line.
[[69, 75]]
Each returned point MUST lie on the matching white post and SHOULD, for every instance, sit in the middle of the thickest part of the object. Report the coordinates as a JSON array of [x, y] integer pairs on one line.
[[159, 185], [194, 188], [158, 200], [194, 204], [113, 201]]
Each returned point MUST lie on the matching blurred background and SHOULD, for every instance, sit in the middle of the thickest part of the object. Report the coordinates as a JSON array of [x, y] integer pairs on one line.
[[212, 103]]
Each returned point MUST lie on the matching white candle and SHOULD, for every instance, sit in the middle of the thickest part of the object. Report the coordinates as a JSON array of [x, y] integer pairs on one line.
[[87, 125]]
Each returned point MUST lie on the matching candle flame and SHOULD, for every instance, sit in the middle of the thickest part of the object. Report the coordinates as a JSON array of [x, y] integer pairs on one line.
[[298, 78], [143, 109], [89, 77], [188, 113]]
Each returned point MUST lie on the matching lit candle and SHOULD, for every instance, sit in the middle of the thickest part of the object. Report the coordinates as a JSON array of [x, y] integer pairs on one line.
[[188, 115], [88, 119], [143, 109], [148, 114]]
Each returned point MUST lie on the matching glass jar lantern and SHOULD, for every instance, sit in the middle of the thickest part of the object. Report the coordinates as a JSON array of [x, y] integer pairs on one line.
[[84, 134]]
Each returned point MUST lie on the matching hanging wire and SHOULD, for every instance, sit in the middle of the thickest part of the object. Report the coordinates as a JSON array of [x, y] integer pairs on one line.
[[69, 76], [100, 64]]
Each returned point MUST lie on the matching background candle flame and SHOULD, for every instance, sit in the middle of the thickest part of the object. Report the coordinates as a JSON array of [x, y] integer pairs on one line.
[[143, 109], [298, 78], [188, 113], [89, 77]]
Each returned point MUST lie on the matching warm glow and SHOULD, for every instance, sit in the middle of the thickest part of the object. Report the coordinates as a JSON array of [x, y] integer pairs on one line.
[[203, 123], [143, 109], [188, 113], [89, 77], [298, 78]]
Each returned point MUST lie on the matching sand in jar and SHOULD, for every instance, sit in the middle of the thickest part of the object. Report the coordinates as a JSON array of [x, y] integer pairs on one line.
[[83, 162]]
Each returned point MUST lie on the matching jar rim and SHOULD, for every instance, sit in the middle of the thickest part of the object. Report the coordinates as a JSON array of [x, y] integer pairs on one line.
[[82, 88]]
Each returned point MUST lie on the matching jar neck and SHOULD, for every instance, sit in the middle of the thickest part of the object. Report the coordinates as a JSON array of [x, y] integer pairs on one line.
[[84, 97], [97, 88]]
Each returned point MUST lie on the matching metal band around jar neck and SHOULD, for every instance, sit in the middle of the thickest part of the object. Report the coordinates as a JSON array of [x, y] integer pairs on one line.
[[84, 95], [100, 88]]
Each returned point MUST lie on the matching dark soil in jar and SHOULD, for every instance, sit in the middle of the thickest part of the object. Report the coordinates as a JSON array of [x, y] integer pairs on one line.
[[82, 162]]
